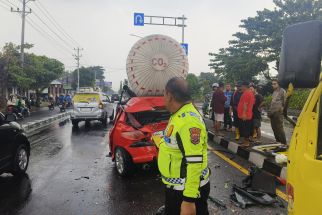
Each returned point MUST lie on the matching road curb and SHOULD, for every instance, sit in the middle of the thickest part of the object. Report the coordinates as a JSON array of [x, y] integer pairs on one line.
[[259, 160], [35, 127]]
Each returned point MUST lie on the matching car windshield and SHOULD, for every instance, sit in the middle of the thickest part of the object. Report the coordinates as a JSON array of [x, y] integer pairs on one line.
[[148, 117]]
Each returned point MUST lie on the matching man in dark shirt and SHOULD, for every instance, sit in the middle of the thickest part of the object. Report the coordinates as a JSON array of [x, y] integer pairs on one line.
[[233, 106], [219, 99], [257, 113]]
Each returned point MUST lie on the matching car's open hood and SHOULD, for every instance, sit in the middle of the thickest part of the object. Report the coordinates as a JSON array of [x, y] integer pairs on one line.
[[140, 104]]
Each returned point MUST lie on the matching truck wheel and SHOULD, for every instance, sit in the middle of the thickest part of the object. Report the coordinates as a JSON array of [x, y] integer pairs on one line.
[[21, 160], [123, 162], [75, 123]]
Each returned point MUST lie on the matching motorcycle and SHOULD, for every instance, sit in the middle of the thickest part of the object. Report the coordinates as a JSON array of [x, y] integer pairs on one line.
[[62, 107], [51, 105]]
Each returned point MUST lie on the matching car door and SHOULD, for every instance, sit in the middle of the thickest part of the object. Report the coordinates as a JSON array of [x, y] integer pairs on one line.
[[7, 135]]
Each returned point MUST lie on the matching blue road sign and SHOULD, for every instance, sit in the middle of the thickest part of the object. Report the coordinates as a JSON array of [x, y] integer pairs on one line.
[[185, 47], [139, 19]]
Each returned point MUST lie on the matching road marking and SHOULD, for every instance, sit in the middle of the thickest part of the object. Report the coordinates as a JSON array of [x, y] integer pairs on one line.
[[267, 133], [242, 169]]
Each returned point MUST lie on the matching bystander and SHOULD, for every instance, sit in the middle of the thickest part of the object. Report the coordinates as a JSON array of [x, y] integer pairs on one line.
[[257, 114], [275, 112], [219, 108], [233, 106], [227, 114], [245, 113]]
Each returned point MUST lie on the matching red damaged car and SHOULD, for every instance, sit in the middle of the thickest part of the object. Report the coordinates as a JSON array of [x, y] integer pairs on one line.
[[130, 138]]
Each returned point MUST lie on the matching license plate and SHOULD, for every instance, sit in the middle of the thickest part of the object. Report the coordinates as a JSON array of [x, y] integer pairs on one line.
[[86, 109]]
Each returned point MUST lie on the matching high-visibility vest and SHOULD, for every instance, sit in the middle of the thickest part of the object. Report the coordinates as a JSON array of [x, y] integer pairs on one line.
[[182, 159]]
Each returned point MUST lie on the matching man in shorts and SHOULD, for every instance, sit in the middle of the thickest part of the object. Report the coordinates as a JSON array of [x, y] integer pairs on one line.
[[219, 100], [245, 113], [214, 89]]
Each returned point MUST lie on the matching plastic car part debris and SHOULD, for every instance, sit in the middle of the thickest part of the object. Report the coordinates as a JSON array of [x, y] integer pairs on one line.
[[240, 200], [218, 203], [256, 196], [259, 180]]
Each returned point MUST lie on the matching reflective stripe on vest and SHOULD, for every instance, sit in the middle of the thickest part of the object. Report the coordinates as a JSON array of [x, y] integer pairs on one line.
[[181, 181]]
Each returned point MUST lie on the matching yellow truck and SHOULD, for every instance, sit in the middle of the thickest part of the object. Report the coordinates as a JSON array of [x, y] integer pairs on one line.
[[300, 67]]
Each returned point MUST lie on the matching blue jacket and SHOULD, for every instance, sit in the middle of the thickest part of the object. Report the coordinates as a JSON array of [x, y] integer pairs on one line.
[[228, 95]]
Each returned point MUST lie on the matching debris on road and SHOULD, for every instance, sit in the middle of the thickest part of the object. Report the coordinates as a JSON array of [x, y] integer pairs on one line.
[[86, 177], [218, 203], [259, 189]]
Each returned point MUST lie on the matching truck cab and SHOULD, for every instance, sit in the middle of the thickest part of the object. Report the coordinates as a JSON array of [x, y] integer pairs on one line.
[[300, 67]]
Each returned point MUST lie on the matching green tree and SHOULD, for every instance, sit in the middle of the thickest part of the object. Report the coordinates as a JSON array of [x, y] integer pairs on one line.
[[42, 70], [87, 76], [206, 79], [194, 85], [259, 42], [37, 74], [15, 75]]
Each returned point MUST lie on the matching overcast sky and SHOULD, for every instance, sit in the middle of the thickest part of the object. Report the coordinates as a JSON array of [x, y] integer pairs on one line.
[[103, 27]]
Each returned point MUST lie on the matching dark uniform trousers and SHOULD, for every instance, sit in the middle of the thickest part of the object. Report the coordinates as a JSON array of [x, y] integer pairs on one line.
[[277, 127], [173, 200]]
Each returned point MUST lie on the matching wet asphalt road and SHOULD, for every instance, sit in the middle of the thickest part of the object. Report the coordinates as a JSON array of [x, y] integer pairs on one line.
[[70, 173]]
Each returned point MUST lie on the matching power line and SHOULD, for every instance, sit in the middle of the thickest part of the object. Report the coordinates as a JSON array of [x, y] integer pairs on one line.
[[7, 4], [15, 6], [58, 36], [47, 36], [4, 7], [54, 22]]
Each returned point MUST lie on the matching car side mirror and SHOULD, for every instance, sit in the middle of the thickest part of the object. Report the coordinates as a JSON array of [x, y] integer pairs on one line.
[[300, 60]]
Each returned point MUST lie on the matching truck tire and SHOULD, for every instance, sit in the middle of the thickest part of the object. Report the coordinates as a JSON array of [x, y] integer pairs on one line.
[[123, 162], [21, 160]]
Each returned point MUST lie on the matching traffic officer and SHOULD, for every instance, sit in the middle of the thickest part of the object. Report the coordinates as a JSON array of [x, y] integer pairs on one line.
[[182, 159]]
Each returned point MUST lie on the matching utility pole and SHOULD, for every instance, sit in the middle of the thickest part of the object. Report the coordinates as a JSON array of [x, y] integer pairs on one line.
[[23, 16], [77, 58]]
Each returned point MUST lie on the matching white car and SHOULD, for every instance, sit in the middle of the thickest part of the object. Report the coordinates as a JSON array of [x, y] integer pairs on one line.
[[90, 106]]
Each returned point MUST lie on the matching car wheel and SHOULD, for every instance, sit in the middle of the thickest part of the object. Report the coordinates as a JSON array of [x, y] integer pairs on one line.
[[123, 162], [21, 160], [75, 123]]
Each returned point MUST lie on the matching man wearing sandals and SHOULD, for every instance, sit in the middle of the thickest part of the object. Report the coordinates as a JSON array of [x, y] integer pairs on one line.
[[245, 113]]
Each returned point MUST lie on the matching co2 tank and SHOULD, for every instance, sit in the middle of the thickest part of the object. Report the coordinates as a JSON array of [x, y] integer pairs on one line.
[[152, 61]]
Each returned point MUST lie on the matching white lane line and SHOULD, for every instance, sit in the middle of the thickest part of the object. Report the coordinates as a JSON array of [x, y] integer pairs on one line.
[[267, 133]]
